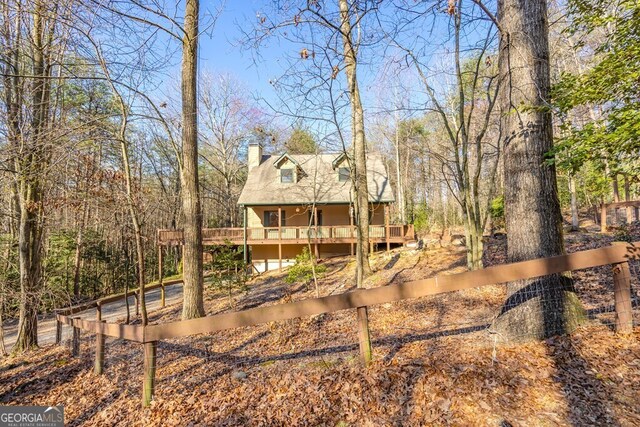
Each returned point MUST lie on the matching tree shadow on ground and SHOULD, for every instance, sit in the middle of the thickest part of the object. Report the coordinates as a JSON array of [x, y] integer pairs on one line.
[[237, 361], [392, 262], [31, 381], [588, 398], [547, 308]]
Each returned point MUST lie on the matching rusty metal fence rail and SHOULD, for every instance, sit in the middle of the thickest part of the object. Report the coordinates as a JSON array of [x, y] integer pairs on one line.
[[621, 260]]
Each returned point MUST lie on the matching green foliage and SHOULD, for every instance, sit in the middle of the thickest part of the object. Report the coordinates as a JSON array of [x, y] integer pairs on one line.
[[229, 270], [411, 128], [611, 85], [301, 142], [422, 218], [497, 207], [302, 270], [58, 265]]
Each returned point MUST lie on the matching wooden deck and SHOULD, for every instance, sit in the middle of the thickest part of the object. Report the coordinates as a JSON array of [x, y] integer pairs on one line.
[[292, 235]]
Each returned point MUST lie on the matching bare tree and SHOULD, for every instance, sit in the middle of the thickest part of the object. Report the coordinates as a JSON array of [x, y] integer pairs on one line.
[[227, 121], [193, 305], [32, 46], [359, 167], [187, 33]]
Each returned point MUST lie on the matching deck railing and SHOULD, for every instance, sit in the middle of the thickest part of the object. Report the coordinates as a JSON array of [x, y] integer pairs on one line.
[[396, 233]]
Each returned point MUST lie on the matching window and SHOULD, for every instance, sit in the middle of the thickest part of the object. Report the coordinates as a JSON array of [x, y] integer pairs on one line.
[[271, 219], [344, 174], [286, 176], [312, 219]]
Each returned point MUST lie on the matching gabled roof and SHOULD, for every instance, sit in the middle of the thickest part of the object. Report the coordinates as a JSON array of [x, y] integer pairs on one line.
[[336, 162], [283, 157], [319, 182]]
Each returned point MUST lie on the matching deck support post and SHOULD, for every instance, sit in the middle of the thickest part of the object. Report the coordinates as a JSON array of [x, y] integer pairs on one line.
[[351, 228], [386, 226], [244, 235], [149, 381], [627, 198], [279, 238]]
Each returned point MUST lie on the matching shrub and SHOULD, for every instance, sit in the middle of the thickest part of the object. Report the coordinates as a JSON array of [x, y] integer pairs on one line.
[[302, 270]]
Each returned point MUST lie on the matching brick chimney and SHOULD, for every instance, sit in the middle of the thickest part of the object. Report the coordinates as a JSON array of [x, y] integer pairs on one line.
[[254, 156]]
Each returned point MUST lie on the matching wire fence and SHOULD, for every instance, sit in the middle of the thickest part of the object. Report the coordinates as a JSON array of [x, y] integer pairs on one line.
[[616, 215], [452, 321], [451, 311]]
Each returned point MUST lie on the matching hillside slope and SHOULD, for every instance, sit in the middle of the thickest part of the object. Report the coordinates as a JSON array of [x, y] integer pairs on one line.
[[435, 363]]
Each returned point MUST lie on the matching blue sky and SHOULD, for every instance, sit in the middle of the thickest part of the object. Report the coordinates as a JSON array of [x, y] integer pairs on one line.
[[221, 52]]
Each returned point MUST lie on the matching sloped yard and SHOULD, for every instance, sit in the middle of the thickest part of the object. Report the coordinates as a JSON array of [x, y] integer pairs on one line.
[[435, 363]]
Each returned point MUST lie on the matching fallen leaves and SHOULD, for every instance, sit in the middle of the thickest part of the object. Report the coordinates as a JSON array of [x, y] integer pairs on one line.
[[433, 366]]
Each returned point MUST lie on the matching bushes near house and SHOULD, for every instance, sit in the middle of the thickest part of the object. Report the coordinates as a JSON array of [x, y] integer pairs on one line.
[[302, 270]]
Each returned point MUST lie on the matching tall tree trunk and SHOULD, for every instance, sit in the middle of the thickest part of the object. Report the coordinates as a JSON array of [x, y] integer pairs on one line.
[[3, 291], [359, 145], [616, 188], [30, 163], [363, 268], [132, 206], [399, 182], [546, 306], [193, 305]]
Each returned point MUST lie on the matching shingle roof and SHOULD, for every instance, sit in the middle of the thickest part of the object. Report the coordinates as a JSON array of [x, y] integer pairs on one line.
[[263, 186]]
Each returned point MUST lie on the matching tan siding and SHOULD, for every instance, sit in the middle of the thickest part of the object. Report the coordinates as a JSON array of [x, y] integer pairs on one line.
[[331, 215], [289, 252], [253, 218]]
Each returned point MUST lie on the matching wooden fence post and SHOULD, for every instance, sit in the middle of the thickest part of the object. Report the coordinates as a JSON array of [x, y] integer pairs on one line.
[[98, 367], [98, 312], [622, 296], [75, 342], [58, 331], [603, 218], [137, 298], [149, 381], [366, 352]]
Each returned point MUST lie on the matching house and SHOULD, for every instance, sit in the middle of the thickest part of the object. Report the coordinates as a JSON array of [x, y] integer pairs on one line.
[[292, 201]]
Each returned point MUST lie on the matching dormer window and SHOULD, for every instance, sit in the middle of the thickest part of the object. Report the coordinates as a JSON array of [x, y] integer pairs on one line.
[[290, 170], [286, 176], [344, 174]]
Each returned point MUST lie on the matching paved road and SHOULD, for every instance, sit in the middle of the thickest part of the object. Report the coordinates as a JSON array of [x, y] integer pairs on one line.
[[111, 312]]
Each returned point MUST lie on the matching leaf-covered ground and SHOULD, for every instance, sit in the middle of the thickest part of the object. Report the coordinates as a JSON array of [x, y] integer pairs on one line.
[[435, 362]]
